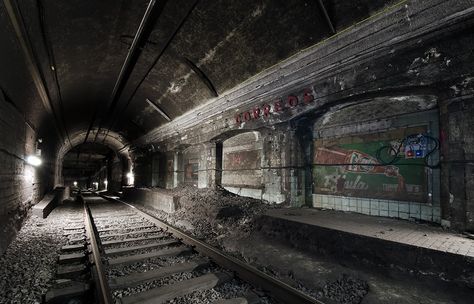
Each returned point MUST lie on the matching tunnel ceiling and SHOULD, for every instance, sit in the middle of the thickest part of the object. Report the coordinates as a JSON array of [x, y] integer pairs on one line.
[[85, 159], [194, 52]]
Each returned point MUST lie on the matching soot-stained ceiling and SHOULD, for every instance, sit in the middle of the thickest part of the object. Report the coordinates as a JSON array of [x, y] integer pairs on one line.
[[85, 159], [195, 51]]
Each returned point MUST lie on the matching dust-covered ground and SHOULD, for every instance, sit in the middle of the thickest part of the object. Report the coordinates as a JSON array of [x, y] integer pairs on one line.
[[230, 223], [28, 266], [214, 215]]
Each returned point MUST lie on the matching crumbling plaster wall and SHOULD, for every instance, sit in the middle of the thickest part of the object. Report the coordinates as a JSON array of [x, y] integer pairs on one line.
[[457, 171], [416, 49]]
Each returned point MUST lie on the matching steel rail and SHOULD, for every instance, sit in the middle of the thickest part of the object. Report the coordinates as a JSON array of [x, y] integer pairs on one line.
[[102, 285], [276, 288]]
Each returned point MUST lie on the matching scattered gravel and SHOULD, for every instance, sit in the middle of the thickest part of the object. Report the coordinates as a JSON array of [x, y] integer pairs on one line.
[[234, 288], [213, 215], [346, 290], [28, 266], [217, 216]]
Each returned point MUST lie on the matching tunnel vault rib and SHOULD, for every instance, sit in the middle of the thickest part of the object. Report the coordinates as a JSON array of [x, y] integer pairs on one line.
[[32, 65], [142, 35], [152, 66], [362, 43]]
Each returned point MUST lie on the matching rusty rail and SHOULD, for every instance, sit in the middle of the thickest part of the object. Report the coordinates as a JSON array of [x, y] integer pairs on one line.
[[100, 279], [276, 288]]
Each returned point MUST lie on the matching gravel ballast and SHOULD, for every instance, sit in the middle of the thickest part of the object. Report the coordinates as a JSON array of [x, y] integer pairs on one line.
[[28, 266], [230, 223]]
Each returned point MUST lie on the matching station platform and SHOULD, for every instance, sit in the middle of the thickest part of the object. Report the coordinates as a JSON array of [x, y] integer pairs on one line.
[[379, 241]]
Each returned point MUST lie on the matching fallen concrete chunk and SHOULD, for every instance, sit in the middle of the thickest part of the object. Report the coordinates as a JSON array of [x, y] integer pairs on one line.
[[45, 206]]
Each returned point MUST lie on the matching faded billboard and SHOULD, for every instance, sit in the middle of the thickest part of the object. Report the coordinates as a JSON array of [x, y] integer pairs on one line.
[[242, 160], [349, 167], [169, 169], [191, 171]]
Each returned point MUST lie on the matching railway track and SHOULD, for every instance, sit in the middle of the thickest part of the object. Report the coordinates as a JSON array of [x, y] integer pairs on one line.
[[137, 258]]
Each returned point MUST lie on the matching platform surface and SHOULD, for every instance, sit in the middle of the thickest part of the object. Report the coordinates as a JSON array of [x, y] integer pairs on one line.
[[400, 231]]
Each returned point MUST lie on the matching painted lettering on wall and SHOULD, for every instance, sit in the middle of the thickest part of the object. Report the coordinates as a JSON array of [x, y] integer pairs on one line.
[[275, 107]]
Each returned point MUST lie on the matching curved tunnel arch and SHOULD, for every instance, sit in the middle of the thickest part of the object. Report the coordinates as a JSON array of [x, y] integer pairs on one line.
[[114, 141]]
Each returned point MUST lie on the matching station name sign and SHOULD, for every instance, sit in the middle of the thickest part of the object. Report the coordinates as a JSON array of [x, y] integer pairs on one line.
[[275, 107]]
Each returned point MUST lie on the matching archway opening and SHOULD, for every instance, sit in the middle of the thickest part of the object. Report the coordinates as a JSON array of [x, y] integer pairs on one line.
[[93, 166], [241, 164]]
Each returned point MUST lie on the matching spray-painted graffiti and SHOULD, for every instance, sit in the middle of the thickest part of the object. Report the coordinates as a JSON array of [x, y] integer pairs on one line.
[[348, 166]]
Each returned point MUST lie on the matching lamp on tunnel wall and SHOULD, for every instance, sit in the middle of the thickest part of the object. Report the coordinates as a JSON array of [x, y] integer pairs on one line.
[[106, 183], [35, 159], [130, 178]]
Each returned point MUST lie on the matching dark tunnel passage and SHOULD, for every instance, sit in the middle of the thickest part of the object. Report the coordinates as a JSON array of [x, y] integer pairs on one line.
[[253, 151], [93, 166]]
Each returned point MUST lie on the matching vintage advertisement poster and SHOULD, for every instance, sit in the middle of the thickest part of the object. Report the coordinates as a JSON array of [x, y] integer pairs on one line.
[[191, 170], [249, 159], [170, 169], [350, 167]]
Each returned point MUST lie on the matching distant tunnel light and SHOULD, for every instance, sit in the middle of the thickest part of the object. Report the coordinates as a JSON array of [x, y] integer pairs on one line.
[[106, 183], [131, 178], [34, 160], [75, 184]]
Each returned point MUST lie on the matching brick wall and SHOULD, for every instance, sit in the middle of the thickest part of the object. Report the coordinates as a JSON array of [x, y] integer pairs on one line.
[[21, 185]]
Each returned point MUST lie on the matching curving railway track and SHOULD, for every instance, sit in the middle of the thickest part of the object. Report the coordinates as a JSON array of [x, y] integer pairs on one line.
[[137, 258]]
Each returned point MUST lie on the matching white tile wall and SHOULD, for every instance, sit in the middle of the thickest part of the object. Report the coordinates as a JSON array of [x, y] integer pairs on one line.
[[379, 207]]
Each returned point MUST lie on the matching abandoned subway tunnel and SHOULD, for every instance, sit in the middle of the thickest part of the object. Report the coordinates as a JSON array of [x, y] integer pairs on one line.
[[253, 151]]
